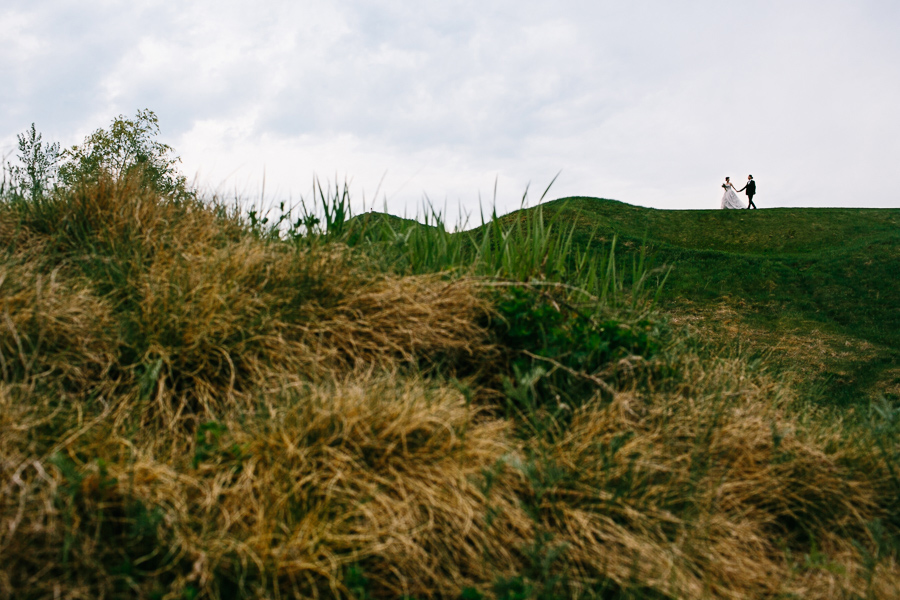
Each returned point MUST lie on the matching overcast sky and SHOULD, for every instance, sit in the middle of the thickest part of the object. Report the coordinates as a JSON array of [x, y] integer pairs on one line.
[[648, 102]]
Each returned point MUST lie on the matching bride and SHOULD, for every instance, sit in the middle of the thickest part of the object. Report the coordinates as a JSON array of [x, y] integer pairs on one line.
[[730, 198]]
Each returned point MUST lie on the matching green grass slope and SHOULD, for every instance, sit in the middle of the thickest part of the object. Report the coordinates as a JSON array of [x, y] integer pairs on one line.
[[793, 278]]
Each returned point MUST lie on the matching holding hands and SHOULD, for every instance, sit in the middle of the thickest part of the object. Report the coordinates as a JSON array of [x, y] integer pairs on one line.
[[730, 199]]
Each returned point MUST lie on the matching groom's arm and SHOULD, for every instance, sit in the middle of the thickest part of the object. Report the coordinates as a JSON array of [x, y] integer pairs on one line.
[[742, 189]]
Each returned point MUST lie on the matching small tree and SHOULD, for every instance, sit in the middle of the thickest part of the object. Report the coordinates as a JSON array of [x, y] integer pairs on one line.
[[128, 147], [38, 170]]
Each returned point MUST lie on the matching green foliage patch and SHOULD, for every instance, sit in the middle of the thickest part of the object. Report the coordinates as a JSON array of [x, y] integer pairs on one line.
[[559, 352]]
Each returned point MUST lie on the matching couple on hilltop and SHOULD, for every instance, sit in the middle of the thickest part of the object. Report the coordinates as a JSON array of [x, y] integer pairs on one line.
[[730, 198]]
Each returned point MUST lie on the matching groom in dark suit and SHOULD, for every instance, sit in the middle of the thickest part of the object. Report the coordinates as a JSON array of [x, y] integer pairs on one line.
[[751, 191]]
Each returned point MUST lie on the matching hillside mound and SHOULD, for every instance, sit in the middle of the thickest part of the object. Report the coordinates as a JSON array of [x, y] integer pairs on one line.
[[195, 406], [812, 290]]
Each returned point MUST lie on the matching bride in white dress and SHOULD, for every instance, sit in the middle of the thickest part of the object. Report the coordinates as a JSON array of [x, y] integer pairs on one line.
[[730, 199]]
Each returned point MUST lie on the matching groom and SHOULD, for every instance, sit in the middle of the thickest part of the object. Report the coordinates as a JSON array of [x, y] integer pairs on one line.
[[751, 190]]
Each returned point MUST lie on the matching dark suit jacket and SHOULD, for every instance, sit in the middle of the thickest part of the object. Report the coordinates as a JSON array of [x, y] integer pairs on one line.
[[750, 187]]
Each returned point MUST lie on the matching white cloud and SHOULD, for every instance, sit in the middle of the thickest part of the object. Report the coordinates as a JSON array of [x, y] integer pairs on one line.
[[648, 102]]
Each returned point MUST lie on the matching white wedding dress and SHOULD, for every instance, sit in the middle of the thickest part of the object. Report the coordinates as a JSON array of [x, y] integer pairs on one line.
[[730, 199]]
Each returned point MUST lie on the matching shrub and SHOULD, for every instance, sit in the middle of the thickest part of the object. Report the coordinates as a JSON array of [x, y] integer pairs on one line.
[[128, 148], [561, 354]]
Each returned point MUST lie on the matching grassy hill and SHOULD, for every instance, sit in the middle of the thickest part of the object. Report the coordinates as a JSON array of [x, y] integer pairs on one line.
[[199, 403], [814, 289]]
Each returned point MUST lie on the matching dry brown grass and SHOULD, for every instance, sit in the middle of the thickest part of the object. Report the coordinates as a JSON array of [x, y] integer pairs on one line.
[[213, 312], [187, 410], [254, 312], [804, 352], [52, 330], [709, 487], [371, 471], [387, 472]]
